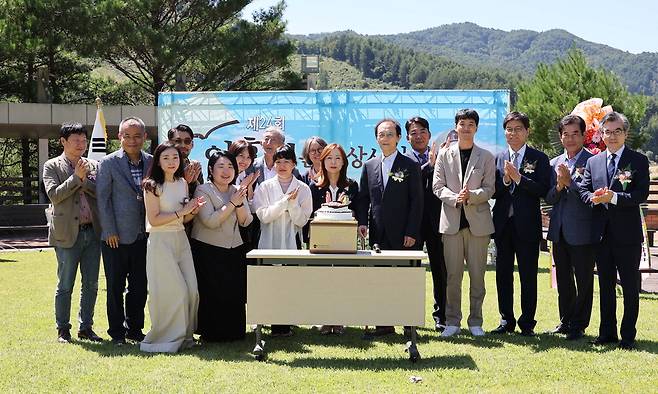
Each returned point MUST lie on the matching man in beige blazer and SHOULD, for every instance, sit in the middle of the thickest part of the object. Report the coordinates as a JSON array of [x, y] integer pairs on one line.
[[464, 180], [74, 230]]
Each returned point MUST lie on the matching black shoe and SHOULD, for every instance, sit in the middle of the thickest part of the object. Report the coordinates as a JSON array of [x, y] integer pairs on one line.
[[383, 330], [118, 342], [560, 329], [575, 335], [626, 345], [527, 332], [136, 336], [89, 335], [63, 335], [502, 329], [604, 340]]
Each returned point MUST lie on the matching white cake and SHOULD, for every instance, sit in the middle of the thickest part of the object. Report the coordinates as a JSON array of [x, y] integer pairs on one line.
[[326, 213]]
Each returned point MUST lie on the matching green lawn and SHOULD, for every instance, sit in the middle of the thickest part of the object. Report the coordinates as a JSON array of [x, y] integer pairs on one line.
[[32, 361]]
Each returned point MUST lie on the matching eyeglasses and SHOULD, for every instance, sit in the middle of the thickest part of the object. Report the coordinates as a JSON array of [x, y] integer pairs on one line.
[[186, 141], [316, 151], [607, 132], [515, 130]]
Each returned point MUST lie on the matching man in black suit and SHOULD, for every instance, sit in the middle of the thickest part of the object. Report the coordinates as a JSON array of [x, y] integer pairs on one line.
[[616, 182], [390, 202], [523, 177], [419, 136], [571, 231]]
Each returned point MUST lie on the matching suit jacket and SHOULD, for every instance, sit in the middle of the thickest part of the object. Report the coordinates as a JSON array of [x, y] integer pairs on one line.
[[397, 209], [480, 180], [431, 203], [63, 189], [621, 220], [570, 215], [525, 198], [121, 212], [259, 165]]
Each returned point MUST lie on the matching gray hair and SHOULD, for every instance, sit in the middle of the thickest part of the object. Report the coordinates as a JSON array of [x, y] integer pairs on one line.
[[276, 130], [132, 121], [615, 116]]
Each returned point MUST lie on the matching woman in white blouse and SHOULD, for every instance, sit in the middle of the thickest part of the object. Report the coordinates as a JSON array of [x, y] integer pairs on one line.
[[219, 257], [283, 205]]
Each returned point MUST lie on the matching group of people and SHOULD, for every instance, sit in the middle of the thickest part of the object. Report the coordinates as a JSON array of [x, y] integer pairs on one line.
[[164, 232]]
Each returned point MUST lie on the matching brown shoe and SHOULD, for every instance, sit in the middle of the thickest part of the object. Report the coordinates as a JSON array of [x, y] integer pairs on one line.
[[63, 335], [89, 335]]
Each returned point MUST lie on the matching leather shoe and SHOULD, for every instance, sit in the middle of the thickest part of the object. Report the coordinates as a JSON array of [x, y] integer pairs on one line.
[[135, 336], [502, 329], [575, 335], [560, 329], [89, 335], [63, 335], [118, 342], [627, 345], [604, 340], [527, 332]]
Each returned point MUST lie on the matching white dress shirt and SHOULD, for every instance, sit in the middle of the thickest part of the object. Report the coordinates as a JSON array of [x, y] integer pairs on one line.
[[617, 157], [521, 153], [387, 166]]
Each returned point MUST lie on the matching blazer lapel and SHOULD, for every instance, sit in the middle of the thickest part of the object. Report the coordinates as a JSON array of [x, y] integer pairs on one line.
[[623, 163], [472, 162], [377, 176], [456, 162]]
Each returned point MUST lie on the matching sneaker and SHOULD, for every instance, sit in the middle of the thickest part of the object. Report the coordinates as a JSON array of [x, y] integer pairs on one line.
[[450, 331], [135, 336], [89, 335], [63, 335], [476, 331]]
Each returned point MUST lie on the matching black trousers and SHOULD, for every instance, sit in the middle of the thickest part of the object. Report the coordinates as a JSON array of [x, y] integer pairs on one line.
[[625, 260], [439, 274], [222, 280], [574, 297], [125, 263], [508, 246]]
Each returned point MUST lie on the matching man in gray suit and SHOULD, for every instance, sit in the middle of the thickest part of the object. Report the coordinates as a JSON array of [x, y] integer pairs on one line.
[[464, 180], [74, 230], [572, 231], [121, 209]]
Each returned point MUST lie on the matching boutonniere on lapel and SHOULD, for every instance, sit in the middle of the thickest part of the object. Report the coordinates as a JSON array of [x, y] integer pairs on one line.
[[624, 176], [579, 173], [399, 175], [528, 167]]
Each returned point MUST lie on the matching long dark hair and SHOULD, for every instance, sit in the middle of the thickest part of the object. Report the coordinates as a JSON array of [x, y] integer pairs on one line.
[[155, 175], [323, 177]]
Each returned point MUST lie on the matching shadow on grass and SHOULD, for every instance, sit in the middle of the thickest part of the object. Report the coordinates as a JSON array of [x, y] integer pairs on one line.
[[8, 260], [461, 361]]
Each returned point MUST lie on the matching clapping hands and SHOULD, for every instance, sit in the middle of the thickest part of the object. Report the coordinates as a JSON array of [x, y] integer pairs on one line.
[[192, 172], [563, 176], [602, 196], [511, 173], [192, 206]]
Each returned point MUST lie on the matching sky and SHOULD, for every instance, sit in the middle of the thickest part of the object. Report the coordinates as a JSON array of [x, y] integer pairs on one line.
[[630, 25]]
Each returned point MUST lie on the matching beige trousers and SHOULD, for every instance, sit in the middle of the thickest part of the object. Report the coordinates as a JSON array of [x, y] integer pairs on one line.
[[173, 296], [457, 248]]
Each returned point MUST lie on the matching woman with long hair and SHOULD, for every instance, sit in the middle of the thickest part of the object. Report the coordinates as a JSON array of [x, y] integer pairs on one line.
[[283, 205], [219, 257], [331, 184], [172, 286]]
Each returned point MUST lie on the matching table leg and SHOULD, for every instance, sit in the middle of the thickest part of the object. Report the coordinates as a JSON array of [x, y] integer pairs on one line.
[[412, 347]]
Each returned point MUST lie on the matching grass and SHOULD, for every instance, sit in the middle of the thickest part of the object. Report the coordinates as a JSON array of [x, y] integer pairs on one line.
[[32, 361]]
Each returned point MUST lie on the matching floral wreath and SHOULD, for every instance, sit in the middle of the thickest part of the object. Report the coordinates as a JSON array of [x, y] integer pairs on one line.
[[592, 112]]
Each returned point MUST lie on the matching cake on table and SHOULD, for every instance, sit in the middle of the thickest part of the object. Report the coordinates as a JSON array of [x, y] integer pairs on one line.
[[333, 229]]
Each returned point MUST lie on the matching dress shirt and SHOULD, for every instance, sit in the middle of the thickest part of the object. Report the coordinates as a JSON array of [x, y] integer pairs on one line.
[[387, 166], [617, 157], [521, 153]]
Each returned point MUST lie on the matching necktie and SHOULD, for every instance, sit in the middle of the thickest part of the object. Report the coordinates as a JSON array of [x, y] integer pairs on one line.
[[611, 168], [515, 162], [422, 158]]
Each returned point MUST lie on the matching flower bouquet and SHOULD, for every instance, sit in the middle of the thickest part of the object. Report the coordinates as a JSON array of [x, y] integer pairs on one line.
[[592, 112]]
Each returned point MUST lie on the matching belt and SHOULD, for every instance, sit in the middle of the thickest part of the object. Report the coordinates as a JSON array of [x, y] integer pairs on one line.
[[86, 226]]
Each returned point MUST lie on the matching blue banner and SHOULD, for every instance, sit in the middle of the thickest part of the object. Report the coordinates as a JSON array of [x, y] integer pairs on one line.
[[346, 117]]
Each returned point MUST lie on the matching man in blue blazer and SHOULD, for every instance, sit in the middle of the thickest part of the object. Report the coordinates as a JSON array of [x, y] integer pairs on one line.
[[390, 200], [523, 177], [571, 231], [122, 216], [419, 137], [616, 182]]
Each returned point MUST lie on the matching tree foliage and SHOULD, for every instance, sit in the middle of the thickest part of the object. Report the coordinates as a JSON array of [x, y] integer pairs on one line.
[[556, 89], [203, 42]]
